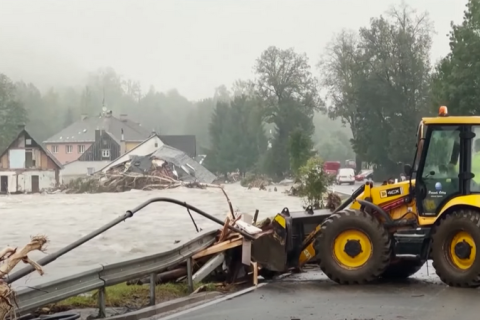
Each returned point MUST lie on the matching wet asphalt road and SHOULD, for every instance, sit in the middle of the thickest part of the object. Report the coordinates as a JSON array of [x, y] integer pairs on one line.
[[310, 296]]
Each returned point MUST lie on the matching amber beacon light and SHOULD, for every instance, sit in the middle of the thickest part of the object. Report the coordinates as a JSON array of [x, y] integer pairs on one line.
[[443, 111]]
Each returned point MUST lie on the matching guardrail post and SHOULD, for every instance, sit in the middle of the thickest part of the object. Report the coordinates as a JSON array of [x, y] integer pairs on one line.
[[190, 274], [101, 303], [153, 283]]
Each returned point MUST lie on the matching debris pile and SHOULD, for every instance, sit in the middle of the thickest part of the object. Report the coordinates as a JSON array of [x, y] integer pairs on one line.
[[11, 257], [142, 173], [256, 181]]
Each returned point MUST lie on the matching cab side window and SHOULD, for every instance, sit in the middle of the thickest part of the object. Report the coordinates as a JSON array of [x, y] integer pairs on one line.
[[475, 182]]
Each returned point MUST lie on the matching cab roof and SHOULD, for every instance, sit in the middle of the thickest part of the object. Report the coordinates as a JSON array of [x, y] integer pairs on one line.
[[452, 120]]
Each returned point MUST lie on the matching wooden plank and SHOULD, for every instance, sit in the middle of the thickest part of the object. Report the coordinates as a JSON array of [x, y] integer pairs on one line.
[[255, 272], [246, 252], [219, 248]]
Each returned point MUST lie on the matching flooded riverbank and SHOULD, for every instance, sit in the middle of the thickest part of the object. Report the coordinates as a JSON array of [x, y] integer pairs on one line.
[[65, 218]]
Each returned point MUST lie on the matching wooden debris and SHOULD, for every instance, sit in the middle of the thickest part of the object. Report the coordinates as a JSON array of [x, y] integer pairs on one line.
[[11, 257]]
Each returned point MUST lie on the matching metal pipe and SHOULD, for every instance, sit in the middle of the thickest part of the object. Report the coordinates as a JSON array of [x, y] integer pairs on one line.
[[54, 256], [186, 205]]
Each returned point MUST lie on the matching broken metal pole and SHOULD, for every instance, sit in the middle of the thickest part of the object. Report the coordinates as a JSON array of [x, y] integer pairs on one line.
[[255, 217], [153, 284], [189, 274], [208, 267], [101, 303]]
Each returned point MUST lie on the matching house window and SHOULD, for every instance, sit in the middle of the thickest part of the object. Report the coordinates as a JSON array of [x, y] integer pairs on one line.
[[68, 149], [29, 162], [81, 148], [54, 149], [105, 153], [28, 142]]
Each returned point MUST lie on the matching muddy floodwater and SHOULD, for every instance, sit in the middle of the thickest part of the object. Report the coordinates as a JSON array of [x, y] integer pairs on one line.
[[66, 217]]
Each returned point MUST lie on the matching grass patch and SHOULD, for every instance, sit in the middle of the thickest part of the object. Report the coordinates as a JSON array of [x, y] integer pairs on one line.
[[135, 296]]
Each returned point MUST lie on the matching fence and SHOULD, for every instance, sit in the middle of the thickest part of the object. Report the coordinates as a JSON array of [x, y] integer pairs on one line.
[[100, 277]]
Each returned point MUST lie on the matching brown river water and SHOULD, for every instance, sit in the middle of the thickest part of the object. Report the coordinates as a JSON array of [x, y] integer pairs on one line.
[[65, 218]]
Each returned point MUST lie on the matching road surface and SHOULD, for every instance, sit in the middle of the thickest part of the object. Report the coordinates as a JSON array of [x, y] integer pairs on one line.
[[310, 296]]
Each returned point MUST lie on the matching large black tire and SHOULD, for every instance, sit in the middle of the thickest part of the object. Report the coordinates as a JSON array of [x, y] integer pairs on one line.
[[379, 241], [402, 269], [462, 220]]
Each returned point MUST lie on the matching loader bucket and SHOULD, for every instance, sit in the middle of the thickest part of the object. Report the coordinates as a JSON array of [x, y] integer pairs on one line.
[[270, 251]]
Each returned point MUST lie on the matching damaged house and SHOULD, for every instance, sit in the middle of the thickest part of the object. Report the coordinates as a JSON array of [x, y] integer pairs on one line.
[[153, 157], [27, 166]]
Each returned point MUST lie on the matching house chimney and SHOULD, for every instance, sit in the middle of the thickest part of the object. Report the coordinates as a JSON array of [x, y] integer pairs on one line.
[[97, 135], [83, 116], [123, 145], [123, 117]]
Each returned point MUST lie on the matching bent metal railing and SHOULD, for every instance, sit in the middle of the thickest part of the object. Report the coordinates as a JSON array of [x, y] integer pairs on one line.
[[107, 275], [111, 274]]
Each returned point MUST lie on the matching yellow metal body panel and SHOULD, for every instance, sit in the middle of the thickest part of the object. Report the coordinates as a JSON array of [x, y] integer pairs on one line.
[[452, 120], [307, 254]]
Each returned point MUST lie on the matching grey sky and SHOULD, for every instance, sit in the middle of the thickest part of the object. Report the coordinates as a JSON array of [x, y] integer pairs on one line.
[[191, 45]]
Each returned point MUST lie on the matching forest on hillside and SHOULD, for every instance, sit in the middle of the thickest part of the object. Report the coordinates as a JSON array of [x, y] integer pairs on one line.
[[362, 99]]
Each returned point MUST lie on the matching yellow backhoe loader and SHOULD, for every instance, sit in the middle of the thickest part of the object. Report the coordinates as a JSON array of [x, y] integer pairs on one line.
[[390, 230]]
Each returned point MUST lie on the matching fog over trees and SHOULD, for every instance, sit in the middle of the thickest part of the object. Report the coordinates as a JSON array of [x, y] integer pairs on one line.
[[361, 98]]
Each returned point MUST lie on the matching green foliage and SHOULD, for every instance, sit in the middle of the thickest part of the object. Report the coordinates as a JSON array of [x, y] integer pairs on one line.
[[456, 77], [314, 181], [300, 149], [237, 136], [290, 98], [12, 112], [378, 82]]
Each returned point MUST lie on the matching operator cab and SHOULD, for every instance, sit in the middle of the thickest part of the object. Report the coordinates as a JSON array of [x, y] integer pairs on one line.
[[443, 165]]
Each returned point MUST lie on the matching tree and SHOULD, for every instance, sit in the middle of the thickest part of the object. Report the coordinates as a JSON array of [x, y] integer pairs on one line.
[[456, 81], [342, 71], [219, 156], [379, 83], [248, 133], [300, 149], [396, 91], [12, 113], [314, 182], [290, 98], [237, 136]]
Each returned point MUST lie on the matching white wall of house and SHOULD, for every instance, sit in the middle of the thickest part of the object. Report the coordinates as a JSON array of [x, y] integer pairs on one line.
[[78, 169], [22, 181], [146, 148]]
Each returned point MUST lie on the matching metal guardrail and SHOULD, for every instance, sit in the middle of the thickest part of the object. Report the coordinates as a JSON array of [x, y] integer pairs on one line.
[[111, 274]]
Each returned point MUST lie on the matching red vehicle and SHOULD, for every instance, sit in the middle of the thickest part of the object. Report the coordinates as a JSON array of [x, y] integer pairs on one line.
[[364, 175], [332, 167]]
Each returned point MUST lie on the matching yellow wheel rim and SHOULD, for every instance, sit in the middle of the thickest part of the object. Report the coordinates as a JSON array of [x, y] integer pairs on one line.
[[462, 250], [352, 249]]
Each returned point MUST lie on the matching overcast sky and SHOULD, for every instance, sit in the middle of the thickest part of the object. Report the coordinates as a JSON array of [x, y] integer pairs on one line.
[[191, 45]]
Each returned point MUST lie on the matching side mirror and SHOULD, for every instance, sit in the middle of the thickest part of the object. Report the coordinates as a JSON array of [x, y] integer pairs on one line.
[[407, 169]]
